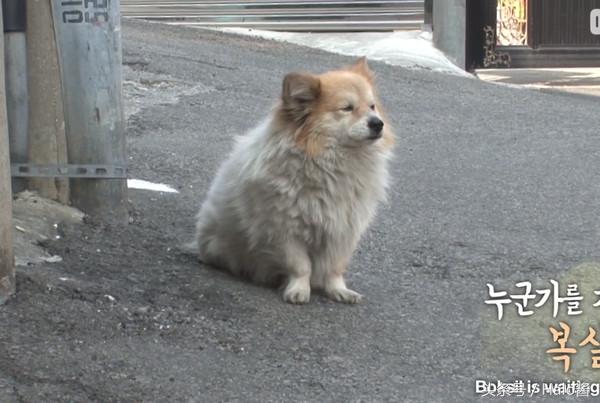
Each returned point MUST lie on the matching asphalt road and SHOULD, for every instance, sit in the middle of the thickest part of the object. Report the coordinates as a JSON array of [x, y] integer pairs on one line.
[[490, 185]]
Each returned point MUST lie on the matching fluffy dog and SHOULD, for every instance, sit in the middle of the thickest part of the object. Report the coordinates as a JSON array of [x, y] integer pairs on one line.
[[292, 200]]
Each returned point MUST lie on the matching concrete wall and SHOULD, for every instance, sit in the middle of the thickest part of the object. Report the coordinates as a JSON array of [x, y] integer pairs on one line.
[[449, 29]]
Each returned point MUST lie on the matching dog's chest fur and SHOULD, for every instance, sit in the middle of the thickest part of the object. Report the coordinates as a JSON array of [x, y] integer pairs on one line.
[[331, 198]]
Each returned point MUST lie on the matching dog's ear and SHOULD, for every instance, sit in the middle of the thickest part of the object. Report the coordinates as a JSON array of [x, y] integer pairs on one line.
[[362, 67], [299, 92]]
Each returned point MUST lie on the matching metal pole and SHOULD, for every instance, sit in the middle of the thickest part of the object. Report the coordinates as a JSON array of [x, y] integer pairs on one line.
[[7, 266], [88, 36], [16, 83]]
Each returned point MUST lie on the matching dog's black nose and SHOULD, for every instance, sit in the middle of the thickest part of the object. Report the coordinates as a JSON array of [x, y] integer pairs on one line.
[[375, 124]]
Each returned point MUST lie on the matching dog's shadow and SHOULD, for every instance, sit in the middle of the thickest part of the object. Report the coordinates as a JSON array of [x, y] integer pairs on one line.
[[189, 257]]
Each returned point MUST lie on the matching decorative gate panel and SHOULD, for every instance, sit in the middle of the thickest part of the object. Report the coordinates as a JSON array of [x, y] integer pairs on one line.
[[511, 23]]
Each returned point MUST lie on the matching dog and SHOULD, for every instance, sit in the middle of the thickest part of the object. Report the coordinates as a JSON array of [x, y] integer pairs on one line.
[[290, 203]]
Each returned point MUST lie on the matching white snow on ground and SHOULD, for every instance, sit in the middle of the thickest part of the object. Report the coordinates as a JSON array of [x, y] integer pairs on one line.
[[145, 185], [409, 49]]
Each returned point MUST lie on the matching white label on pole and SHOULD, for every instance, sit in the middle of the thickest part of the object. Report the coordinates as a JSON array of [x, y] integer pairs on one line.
[[595, 21]]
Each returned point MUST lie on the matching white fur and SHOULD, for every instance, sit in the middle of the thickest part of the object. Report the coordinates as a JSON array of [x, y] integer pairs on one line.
[[272, 211]]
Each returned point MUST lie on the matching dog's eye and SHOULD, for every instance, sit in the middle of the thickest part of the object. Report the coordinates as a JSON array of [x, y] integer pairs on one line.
[[372, 107], [348, 108]]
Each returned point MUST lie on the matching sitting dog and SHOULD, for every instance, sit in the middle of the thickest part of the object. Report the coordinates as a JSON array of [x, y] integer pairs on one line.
[[290, 203]]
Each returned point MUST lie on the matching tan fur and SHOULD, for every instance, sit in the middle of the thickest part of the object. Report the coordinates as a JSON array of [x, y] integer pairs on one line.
[[327, 93]]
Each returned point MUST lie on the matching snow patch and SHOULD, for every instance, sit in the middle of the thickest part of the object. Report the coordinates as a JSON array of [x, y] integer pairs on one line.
[[145, 185], [409, 49]]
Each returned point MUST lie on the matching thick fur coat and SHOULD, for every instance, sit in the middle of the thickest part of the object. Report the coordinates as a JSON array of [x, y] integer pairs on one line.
[[290, 203]]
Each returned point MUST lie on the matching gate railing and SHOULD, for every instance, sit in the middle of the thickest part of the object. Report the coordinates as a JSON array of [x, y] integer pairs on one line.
[[286, 15]]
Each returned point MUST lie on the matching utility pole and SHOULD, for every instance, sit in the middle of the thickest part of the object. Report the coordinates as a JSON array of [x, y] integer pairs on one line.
[[16, 83], [7, 263], [88, 37], [46, 130], [76, 126]]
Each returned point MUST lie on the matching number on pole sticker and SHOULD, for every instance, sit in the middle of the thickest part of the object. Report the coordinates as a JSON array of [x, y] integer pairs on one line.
[[89, 11]]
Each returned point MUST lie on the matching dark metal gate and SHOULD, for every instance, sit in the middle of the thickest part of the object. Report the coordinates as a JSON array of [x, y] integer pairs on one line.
[[532, 33], [559, 23]]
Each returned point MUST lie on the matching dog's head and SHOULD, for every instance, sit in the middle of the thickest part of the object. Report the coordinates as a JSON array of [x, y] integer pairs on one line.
[[337, 108]]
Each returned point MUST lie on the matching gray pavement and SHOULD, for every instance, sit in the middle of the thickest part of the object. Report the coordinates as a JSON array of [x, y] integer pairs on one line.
[[490, 185], [582, 81]]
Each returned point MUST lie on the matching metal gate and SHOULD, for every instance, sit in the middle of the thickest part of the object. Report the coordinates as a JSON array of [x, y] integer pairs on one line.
[[531, 33], [284, 15], [561, 23]]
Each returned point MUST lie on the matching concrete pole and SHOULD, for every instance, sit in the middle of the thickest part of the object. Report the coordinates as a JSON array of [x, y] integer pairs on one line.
[[47, 141], [7, 264], [16, 83], [450, 29], [88, 36]]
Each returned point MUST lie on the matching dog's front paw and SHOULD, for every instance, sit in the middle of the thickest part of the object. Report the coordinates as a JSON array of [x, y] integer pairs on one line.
[[344, 295], [297, 292]]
